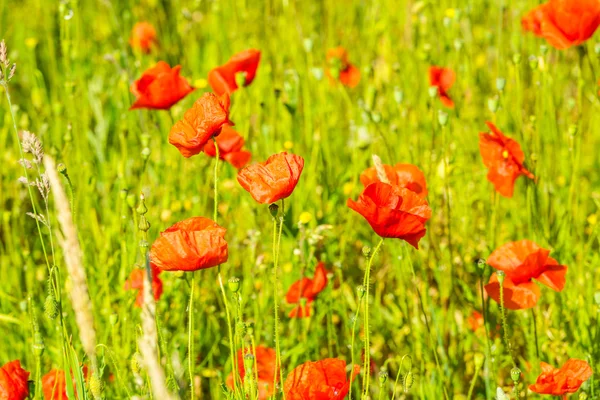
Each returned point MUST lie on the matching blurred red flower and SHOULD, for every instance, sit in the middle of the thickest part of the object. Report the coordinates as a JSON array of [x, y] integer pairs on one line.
[[393, 212], [136, 282], [13, 381], [265, 369], [189, 245], [339, 68], [504, 159], [308, 289], [320, 380], [475, 321], [143, 36], [160, 87], [402, 175], [564, 23], [208, 115], [273, 179], [442, 79], [230, 147], [54, 384], [521, 262], [563, 380], [223, 79]]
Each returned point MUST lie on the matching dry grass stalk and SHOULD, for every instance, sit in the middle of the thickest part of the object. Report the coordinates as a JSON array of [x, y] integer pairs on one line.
[[380, 169], [80, 298], [148, 344]]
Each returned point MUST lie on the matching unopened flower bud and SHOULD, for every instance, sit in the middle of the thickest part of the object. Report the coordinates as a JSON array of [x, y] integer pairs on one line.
[[501, 275], [234, 284], [274, 209], [433, 91], [533, 62], [62, 168], [249, 362], [479, 358], [361, 291], [113, 319], [493, 104], [516, 58], [515, 374], [409, 380], [38, 344], [51, 307], [383, 376], [442, 117], [500, 84]]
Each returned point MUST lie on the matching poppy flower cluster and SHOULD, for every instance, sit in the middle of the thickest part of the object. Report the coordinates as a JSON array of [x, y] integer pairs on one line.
[[563, 380], [266, 372], [272, 180], [323, 380], [136, 282], [442, 79], [54, 384], [504, 159], [13, 381], [240, 68], [522, 262], [564, 23], [340, 69], [189, 245], [230, 145], [393, 212], [306, 289], [160, 87], [207, 117]]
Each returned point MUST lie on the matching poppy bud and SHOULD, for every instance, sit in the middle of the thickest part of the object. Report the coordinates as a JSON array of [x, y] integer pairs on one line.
[[51, 307], [533, 62], [62, 168], [145, 153], [501, 275], [433, 91], [383, 375], [113, 319], [516, 58], [442, 117], [144, 225], [135, 364], [234, 284], [515, 374], [493, 104], [96, 386], [249, 363], [481, 263], [409, 379], [361, 291], [38, 344], [273, 209], [366, 250], [500, 84], [142, 209]]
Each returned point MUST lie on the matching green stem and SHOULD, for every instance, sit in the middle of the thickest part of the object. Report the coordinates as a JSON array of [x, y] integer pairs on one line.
[[191, 337], [277, 228], [473, 381], [231, 345], [488, 347], [352, 343], [504, 324], [535, 335], [367, 358]]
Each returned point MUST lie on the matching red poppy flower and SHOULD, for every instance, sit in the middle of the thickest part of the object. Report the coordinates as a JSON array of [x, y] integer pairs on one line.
[[564, 23], [54, 384], [563, 380], [475, 321], [521, 262], [393, 212], [443, 79], [402, 175], [205, 119], [273, 179], [136, 282], [223, 79], [230, 148], [160, 87], [306, 288], [320, 380], [143, 36], [504, 159], [339, 68], [265, 369], [192, 244], [13, 381]]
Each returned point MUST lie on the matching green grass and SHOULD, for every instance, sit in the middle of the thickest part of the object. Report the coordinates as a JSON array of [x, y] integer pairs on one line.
[[71, 88]]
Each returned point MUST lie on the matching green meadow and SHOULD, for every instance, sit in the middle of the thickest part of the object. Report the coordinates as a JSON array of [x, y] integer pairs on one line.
[[71, 88]]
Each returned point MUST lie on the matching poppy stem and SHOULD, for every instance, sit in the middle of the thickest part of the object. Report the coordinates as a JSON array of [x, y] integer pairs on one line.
[[488, 347], [535, 335], [367, 355], [229, 328], [216, 177], [191, 337], [360, 297], [504, 324], [277, 228]]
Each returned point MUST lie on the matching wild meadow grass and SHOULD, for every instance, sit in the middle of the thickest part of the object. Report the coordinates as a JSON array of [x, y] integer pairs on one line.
[[71, 89]]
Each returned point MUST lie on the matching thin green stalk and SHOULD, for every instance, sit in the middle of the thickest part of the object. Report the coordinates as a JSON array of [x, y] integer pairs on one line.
[[504, 324], [535, 335], [488, 347], [352, 340], [367, 358], [191, 337], [473, 381], [277, 228]]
